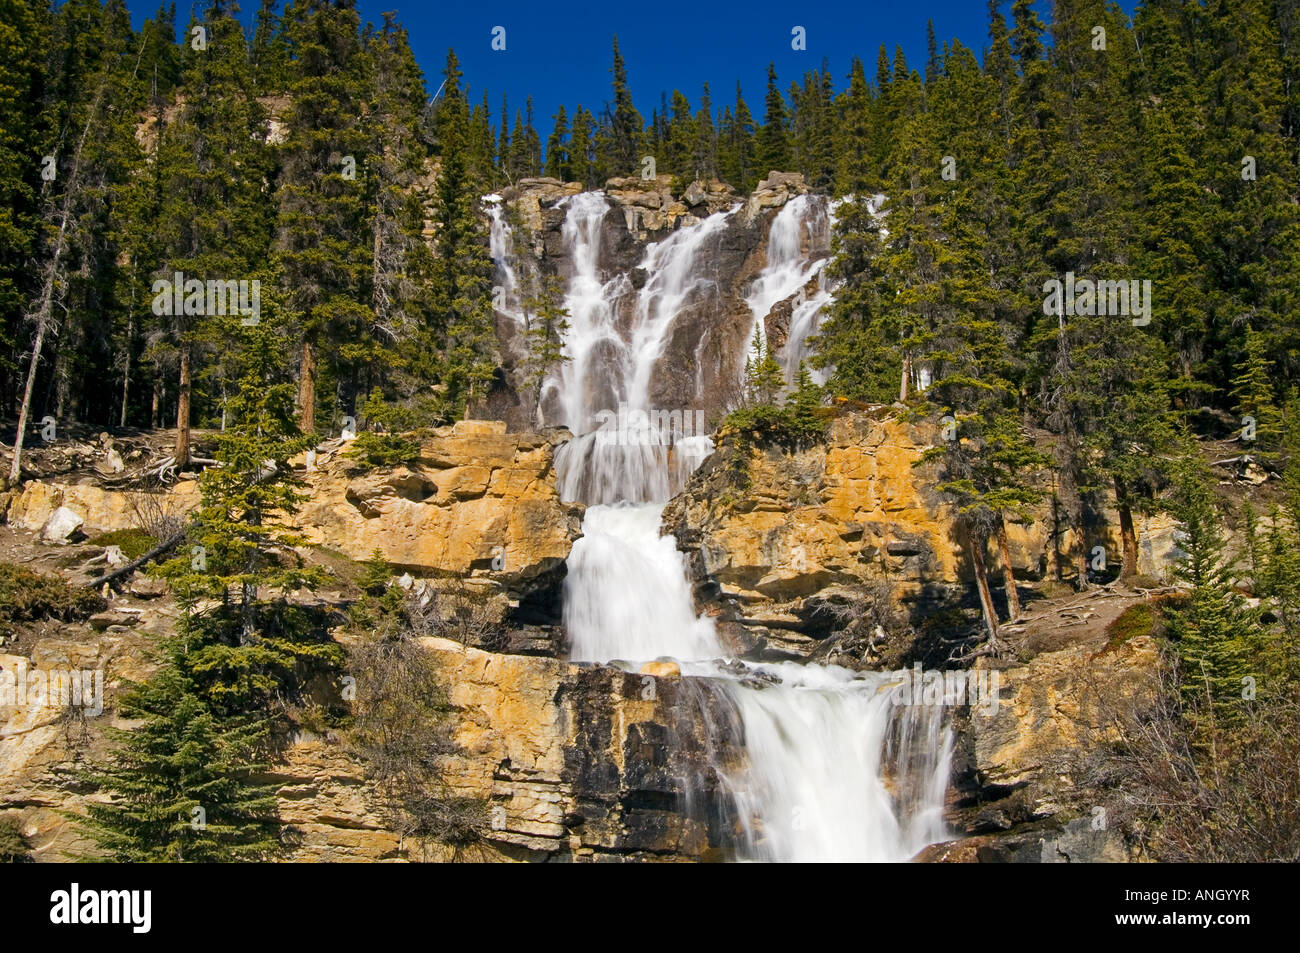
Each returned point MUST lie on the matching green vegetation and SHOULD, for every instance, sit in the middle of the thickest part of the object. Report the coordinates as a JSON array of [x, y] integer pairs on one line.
[[134, 543], [27, 596], [182, 782], [382, 449], [765, 418], [183, 785], [13, 846]]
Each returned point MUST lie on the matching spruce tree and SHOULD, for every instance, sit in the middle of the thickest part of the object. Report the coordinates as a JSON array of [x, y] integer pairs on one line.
[[323, 243], [182, 784], [557, 158], [622, 153], [771, 145], [580, 148], [544, 339], [459, 348], [1215, 632]]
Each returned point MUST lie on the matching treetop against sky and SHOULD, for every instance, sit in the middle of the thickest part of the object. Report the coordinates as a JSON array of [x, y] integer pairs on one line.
[[560, 54]]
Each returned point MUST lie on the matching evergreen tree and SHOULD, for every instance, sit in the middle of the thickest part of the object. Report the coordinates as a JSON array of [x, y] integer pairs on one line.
[[771, 146], [213, 221], [581, 157], [763, 377], [1215, 631], [544, 339], [705, 147], [855, 171], [182, 782], [323, 245], [557, 157], [250, 649], [621, 155], [459, 346]]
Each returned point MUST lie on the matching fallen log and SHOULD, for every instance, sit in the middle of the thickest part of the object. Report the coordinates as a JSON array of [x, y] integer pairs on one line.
[[165, 546]]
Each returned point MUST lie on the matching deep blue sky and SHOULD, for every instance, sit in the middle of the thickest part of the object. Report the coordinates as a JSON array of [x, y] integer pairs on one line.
[[561, 53]]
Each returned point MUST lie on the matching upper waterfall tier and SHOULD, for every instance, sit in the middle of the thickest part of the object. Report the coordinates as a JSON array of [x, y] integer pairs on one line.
[[662, 297], [663, 292]]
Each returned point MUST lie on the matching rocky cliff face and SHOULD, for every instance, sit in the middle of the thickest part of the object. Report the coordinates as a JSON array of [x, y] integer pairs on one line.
[[576, 762], [581, 762], [824, 527]]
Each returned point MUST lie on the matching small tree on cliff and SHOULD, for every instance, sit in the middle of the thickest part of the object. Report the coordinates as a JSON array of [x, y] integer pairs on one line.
[[1216, 632], [544, 339]]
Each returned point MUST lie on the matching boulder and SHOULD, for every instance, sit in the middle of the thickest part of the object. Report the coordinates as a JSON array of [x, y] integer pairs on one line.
[[62, 525]]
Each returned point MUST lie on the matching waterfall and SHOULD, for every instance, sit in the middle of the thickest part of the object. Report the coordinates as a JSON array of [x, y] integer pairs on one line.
[[501, 247], [835, 769], [798, 246], [612, 351]]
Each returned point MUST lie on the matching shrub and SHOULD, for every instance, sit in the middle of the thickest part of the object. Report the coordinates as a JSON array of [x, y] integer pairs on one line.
[[382, 449], [27, 596], [13, 846], [134, 543]]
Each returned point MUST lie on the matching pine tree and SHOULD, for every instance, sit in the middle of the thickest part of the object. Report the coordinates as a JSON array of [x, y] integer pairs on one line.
[[557, 158], [182, 782], [544, 339], [459, 348], [20, 90], [1253, 390], [763, 377], [269, 54], [1215, 631], [771, 146], [213, 221], [621, 156], [249, 650], [400, 258], [736, 161], [705, 147], [855, 172], [580, 148], [323, 245]]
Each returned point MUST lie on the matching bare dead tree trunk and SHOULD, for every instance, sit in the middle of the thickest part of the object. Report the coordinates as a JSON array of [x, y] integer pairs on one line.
[[1081, 558], [43, 312], [307, 388], [1127, 531], [126, 362], [905, 383], [182, 448], [1008, 574], [977, 543]]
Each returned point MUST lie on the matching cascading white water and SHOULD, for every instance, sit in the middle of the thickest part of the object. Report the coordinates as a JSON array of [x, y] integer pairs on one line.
[[631, 599], [806, 220], [607, 377], [501, 246], [835, 770]]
